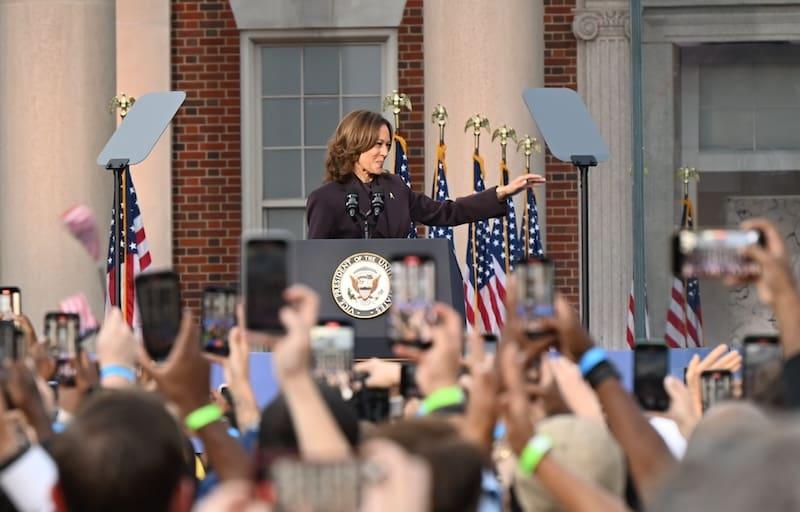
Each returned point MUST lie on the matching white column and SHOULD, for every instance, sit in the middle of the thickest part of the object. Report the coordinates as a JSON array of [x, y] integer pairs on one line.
[[602, 29], [58, 68], [479, 56]]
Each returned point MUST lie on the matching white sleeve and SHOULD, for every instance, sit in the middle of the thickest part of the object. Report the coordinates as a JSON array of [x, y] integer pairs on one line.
[[28, 481]]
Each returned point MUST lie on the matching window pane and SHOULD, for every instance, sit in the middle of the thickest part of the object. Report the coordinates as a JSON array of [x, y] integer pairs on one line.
[[321, 70], [281, 123], [726, 129], [350, 104], [726, 86], [777, 129], [321, 118], [280, 70], [282, 174], [315, 168], [361, 69], [778, 85], [290, 219]]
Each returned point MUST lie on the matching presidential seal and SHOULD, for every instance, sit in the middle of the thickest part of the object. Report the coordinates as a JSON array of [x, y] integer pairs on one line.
[[361, 286]]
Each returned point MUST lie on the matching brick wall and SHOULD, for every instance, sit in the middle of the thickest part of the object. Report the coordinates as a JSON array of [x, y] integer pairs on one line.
[[560, 70], [206, 159]]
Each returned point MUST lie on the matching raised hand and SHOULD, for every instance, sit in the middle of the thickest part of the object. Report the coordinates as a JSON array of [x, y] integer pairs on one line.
[[292, 353], [519, 184]]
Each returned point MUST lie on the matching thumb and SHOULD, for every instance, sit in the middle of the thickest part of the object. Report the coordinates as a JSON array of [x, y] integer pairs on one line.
[[674, 387]]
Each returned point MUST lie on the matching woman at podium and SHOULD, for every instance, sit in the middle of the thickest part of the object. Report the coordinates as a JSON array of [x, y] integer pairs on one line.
[[359, 195]]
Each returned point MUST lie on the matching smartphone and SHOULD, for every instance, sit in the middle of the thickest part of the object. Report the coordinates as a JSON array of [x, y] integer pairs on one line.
[[265, 276], [62, 330], [158, 296], [715, 386], [762, 367], [317, 486], [413, 297], [535, 294], [713, 253], [371, 404], [10, 302], [408, 381], [12, 341], [650, 366], [332, 343], [219, 317]]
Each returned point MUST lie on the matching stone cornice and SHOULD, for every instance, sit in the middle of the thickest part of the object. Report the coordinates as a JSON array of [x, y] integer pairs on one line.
[[590, 24], [292, 14]]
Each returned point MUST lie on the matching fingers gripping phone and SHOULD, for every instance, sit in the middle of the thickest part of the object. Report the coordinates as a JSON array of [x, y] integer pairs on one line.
[[219, 317], [650, 366], [713, 253], [159, 299], [535, 293], [62, 329], [413, 297], [715, 386], [10, 302], [265, 276], [762, 364]]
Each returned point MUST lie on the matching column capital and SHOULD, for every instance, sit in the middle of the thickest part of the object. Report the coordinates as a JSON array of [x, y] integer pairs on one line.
[[590, 24]]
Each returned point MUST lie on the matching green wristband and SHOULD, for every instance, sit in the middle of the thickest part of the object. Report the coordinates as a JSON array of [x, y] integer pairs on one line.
[[443, 397], [203, 416], [533, 453]]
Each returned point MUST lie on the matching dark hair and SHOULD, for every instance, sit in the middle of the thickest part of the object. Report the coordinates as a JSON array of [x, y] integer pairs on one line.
[[356, 133], [122, 452]]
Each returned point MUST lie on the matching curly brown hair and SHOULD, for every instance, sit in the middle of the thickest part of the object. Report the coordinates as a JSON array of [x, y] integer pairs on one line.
[[356, 133]]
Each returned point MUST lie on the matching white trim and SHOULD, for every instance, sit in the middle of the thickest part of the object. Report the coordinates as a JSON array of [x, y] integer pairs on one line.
[[250, 65]]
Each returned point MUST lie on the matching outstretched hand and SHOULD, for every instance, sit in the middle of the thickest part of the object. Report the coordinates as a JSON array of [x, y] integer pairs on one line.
[[292, 354], [519, 184]]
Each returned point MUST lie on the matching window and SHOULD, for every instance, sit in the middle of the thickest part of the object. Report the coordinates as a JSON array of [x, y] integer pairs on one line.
[[296, 86]]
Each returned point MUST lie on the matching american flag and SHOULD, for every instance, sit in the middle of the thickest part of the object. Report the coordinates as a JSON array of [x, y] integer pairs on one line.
[[684, 316], [136, 256], [401, 169], [531, 235], [441, 193], [480, 268], [630, 333], [79, 304]]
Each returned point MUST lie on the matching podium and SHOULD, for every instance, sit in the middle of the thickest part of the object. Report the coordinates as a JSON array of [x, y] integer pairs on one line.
[[316, 263]]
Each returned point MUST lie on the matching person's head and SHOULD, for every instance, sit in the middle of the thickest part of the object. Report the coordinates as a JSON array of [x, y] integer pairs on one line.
[[360, 145], [455, 463], [724, 425], [582, 446], [124, 452]]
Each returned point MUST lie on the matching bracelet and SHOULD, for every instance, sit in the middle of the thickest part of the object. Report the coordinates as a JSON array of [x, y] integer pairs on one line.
[[533, 453], [203, 416], [602, 371], [590, 359], [117, 370], [441, 398]]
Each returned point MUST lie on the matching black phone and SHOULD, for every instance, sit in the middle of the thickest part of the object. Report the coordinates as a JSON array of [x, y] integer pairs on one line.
[[715, 386], [12, 341], [650, 366], [713, 253], [762, 366], [535, 293], [62, 330], [219, 317], [265, 276], [413, 298], [408, 381], [158, 296], [10, 301]]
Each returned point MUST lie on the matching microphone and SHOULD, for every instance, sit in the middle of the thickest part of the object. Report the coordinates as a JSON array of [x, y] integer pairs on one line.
[[351, 204], [377, 202]]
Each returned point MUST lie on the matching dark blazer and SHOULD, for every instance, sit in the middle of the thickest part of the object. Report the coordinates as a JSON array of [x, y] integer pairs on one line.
[[327, 217]]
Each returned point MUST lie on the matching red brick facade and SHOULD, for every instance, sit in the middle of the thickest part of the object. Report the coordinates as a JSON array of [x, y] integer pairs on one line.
[[411, 80], [560, 70]]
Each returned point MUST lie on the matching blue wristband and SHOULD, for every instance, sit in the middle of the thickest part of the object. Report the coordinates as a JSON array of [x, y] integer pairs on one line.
[[117, 370], [590, 359]]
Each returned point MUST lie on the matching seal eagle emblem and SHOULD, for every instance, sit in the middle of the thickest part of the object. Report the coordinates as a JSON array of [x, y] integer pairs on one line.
[[361, 285]]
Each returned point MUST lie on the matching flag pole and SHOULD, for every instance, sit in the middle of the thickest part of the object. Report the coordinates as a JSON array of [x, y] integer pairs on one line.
[[528, 145], [476, 122], [439, 117], [123, 103], [504, 133]]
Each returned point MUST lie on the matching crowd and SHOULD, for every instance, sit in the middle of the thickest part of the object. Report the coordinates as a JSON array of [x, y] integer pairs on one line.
[[539, 425]]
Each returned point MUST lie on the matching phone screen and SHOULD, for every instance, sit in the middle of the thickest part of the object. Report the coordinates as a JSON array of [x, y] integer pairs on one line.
[[8, 340], [715, 386], [535, 293], [650, 366], [266, 267], [332, 345], [328, 486], [62, 329], [713, 253], [413, 297], [763, 364], [10, 302], [159, 300], [219, 317]]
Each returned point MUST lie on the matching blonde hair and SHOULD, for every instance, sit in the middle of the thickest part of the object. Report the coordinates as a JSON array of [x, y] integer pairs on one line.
[[356, 133]]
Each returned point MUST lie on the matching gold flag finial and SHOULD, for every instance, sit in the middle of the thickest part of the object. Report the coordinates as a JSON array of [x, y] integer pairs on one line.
[[687, 174], [123, 103], [477, 122], [505, 132], [397, 101], [529, 145], [439, 117]]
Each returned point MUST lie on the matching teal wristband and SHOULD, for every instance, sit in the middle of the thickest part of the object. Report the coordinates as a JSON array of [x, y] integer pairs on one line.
[[533, 453], [590, 359], [117, 370], [442, 398], [203, 416]]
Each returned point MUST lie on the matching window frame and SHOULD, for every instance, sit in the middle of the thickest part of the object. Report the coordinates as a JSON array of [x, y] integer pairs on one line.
[[253, 203]]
